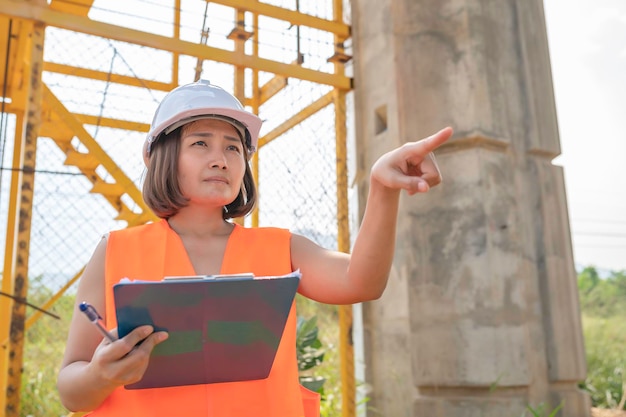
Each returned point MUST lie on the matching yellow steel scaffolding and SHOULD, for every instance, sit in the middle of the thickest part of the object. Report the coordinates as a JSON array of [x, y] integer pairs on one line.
[[37, 103]]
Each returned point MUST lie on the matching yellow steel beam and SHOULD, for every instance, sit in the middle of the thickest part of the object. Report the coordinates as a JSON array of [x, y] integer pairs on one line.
[[114, 123], [5, 38], [11, 43], [267, 90], [133, 36], [94, 148], [256, 97], [303, 114], [78, 7], [31, 133], [53, 127], [271, 88], [9, 50], [10, 257], [294, 17], [61, 125], [346, 348], [16, 77], [240, 74], [175, 55], [106, 76]]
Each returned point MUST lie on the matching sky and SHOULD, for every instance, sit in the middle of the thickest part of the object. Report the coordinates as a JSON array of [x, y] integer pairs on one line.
[[587, 40]]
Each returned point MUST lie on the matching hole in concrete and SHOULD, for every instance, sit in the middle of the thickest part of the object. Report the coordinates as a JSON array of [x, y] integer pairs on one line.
[[380, 119]]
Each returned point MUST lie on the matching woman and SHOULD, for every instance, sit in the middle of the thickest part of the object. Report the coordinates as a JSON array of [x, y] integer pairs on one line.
[[198, 178]]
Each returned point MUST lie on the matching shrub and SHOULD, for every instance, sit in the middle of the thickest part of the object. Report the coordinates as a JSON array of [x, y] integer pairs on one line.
[[43, 351], [605, 339]]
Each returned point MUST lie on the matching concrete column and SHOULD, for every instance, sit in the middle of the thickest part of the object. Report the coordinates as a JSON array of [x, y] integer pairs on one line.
[[481, 315]]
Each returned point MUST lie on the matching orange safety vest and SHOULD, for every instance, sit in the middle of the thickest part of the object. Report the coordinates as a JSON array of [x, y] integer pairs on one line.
[[152, 251]]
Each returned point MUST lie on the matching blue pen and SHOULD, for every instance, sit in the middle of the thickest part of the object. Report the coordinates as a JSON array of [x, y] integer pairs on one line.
[[95, 318]]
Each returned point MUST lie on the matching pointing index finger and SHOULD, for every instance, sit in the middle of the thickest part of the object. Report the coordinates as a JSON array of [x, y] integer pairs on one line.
[[434, 141], [417, 151]]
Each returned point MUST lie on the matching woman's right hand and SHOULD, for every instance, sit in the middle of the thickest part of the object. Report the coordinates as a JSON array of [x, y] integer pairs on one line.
[[125, 361], [92, 368]]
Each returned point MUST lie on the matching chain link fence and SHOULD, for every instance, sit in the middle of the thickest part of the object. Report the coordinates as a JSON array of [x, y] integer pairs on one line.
[[110, 86]]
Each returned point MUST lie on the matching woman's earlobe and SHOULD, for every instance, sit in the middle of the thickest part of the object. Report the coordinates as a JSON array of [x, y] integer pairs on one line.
[[145, 153]]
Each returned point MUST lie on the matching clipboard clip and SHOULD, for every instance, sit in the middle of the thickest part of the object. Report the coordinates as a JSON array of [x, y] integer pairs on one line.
[[245, 275]]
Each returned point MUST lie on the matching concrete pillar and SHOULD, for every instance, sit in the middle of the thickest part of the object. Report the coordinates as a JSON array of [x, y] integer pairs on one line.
[[481, 315]]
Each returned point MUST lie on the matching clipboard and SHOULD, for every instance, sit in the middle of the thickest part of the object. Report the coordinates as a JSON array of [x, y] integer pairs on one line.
[[221, 328]]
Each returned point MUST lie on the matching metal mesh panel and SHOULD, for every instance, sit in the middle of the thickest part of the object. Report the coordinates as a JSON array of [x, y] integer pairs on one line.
[[298, 180], [297, 170]]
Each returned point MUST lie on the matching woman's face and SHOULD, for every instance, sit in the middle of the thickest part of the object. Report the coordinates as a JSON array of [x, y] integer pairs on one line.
[[211, 162]]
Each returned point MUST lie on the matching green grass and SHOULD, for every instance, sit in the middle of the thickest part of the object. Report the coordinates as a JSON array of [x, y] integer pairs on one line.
[[43, 352], [328, 323], [541, 412], [605, 344]]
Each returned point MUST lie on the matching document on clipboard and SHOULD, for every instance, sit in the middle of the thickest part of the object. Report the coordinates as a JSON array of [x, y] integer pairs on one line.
[[222, 328]]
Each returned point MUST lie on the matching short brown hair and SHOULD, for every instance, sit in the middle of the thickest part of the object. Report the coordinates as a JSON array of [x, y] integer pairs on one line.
[[161, 189]]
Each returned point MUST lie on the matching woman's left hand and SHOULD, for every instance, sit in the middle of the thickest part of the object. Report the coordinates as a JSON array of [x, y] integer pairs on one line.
[[412, 166]]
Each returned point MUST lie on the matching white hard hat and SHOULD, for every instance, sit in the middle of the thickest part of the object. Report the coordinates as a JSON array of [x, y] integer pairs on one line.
[[202, 100]]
